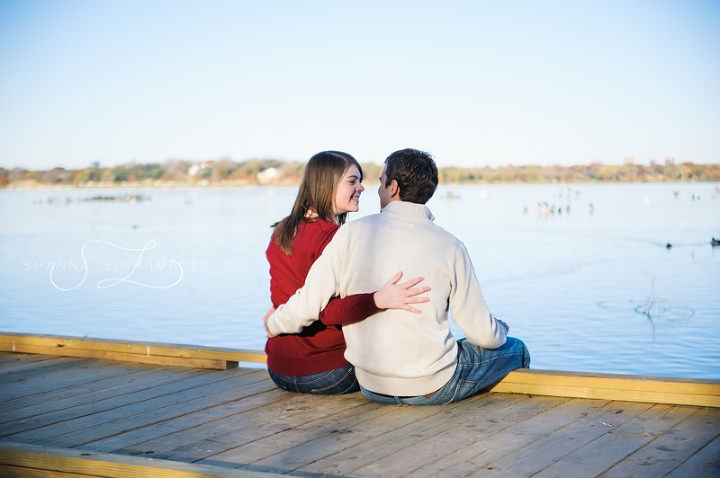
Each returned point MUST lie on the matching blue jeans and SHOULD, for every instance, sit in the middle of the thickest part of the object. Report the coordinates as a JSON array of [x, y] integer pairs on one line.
[[334, 382], [477, 368]]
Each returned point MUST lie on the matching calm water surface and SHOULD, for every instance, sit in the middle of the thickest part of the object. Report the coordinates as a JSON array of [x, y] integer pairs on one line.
[[592, 288]]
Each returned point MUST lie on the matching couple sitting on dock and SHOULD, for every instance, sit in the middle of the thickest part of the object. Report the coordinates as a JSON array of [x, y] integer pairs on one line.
[[329, 334]]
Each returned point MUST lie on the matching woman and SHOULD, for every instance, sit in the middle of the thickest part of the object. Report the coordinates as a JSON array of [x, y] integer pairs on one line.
[[313, 361]]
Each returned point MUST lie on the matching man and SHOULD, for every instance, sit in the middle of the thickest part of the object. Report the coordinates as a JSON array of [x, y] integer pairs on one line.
[[401, 357]]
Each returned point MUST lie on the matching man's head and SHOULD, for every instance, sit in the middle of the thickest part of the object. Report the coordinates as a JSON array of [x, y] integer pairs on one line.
[[408, 175]]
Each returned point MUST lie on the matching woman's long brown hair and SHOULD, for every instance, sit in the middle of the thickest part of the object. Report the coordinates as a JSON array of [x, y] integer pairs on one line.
[[317, 193]]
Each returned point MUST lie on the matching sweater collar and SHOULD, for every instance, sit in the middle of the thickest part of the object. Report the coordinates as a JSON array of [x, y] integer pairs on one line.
[[408, 210]]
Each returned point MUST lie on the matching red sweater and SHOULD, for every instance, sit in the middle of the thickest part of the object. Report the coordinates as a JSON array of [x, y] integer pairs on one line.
[[320, 347]]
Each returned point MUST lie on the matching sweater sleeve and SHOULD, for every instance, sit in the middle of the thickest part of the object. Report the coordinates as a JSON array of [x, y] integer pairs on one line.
[[321, 284], [349, 310], [468, 307]]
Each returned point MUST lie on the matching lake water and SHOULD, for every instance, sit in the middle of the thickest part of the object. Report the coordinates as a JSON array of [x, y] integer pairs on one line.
[[592, 288]]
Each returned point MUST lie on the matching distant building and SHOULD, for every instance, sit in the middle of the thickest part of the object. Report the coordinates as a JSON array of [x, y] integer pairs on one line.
[[196, 168], [95, 164], [653, 162], [268, 175], [628, 161], [669, 161]]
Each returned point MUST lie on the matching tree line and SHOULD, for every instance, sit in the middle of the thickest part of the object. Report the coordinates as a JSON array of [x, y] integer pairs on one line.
[[226, 172]]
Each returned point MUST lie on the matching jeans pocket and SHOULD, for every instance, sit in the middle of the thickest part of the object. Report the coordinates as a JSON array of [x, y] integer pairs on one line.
[[336, 382]]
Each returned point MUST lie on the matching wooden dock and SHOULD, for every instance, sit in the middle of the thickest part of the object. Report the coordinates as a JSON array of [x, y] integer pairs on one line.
[[81, 407]]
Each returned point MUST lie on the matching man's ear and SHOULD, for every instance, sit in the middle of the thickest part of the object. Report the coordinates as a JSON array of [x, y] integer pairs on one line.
[[394, 190]]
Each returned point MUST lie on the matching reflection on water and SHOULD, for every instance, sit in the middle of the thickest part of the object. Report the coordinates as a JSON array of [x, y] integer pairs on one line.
[[656, 309], [583, 273]]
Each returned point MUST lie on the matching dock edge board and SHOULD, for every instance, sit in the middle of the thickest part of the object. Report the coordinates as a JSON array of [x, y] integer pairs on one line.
[[129, 351], [20, 459], [630, 388]]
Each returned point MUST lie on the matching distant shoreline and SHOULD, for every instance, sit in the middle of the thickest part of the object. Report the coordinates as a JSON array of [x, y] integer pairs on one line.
[[229, 174], [115, 186]]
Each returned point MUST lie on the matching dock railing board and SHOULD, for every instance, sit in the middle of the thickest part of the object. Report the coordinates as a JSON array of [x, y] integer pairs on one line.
[[666, 390], [129, 351]]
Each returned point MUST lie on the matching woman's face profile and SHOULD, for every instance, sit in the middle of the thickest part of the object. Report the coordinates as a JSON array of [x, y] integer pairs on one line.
[[347, 196]]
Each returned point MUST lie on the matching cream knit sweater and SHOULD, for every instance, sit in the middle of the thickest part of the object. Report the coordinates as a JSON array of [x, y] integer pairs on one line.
[[397, 352]]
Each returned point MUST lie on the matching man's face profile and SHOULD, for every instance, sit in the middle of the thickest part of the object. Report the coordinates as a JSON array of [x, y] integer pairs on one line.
[[383, 191]]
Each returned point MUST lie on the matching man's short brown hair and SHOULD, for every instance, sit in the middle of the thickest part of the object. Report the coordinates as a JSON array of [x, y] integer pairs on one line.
[[415, 172]]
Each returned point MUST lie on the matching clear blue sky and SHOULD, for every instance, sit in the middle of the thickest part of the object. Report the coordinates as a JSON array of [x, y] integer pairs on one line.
[[474, 83]]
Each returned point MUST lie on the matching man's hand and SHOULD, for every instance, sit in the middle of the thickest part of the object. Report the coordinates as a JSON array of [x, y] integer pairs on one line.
[[399, 296], [265, 321], [507, 327]]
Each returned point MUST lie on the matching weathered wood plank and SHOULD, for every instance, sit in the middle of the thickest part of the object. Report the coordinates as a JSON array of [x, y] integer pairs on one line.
[[137, 402], [11, 362], [479, 453], [141, 414], [251, 403], [73, 374], [542, 453], [42, 368], [396, 456], [239, 430], [600, 455], [671, 449], [110, 466], [303, 445], [705, 462], [262, 445], [119, 380], [262, 428], [57, 411], [71, 388], [392, 435]]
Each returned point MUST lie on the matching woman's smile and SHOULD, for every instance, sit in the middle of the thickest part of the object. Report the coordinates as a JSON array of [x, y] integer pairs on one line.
[[347, 198]]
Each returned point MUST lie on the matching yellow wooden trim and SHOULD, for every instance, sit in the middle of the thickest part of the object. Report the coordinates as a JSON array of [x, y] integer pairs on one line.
[[12, 342], [615, 381], [705, 393], [104, 465], [610, 394], [120, 356], [17, 472]]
